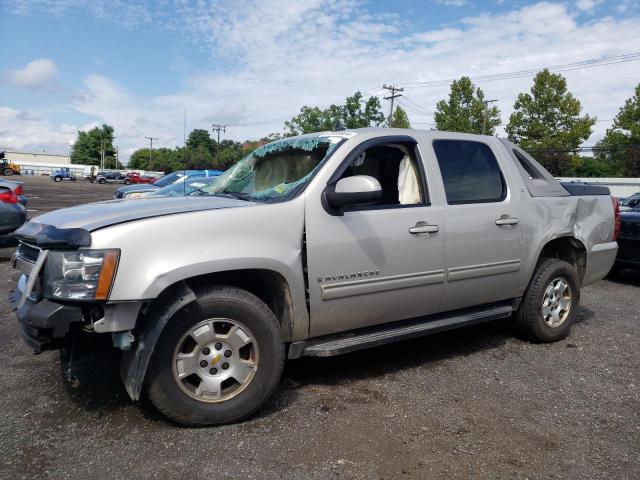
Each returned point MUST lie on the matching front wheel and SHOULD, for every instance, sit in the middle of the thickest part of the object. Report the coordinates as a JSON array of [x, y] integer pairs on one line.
[[102, 181], [127, 182], [551, 302], [218, 360], [8, 172], [57, 179]]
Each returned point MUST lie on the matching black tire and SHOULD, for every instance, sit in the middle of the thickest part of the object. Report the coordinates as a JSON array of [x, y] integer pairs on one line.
[[127, 182], [102, 181], [529, 319], [8, 172], [73, 179], [217, 302], [57, 179]]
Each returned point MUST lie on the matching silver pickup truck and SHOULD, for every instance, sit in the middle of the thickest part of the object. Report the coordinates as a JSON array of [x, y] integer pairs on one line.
[[314, 245]]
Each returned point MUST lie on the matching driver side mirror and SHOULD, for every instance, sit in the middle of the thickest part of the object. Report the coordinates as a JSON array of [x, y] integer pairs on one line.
[[353, 191]]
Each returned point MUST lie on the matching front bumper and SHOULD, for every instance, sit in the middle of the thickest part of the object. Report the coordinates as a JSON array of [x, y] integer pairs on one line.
[[44, 324]]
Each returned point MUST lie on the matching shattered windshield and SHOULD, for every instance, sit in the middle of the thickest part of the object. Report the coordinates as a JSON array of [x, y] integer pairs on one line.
[[276, 171]]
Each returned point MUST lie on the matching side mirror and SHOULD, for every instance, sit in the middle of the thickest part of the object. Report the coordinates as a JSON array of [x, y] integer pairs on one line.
[[353, 191]]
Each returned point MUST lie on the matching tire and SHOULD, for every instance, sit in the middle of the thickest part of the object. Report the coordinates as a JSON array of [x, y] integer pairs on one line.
[[57, 179], [8, 172], [179, 399], [531, 321], [73, 179], [127, 182], [102, 181]]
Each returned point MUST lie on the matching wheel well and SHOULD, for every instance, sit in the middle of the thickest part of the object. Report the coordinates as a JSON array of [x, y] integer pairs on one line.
[[269, 286], [570, 250]]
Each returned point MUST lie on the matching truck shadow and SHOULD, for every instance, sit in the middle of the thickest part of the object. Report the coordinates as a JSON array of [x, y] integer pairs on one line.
[[96, 384]]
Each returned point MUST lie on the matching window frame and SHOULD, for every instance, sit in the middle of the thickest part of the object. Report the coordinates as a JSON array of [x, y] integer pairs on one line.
[[505, 185], [406, 140]]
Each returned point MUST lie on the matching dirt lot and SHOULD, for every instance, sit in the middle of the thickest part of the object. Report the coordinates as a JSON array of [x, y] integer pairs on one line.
[[475, 403]]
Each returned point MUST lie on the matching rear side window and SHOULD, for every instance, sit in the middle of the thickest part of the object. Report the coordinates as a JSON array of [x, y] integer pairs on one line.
[[470, 172]]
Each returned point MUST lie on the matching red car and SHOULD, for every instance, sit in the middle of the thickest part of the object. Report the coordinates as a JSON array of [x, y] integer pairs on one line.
[[137, 178]]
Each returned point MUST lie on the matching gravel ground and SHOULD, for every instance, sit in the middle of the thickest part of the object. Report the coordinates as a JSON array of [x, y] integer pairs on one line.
[[473, 403]]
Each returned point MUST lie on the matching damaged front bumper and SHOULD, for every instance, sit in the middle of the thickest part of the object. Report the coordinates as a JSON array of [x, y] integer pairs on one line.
[[44, 324]]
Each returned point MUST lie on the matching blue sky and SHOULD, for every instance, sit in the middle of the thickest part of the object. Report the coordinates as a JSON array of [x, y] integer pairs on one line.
[[72, 64]]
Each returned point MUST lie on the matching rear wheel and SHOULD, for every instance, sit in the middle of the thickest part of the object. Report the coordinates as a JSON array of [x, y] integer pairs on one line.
[[217, 362], [551, 302], [8, 172], [102, 181], [127, 182], [57, 179]]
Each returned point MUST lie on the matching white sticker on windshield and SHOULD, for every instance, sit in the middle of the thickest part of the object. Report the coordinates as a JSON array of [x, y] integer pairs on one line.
[[338, 134]]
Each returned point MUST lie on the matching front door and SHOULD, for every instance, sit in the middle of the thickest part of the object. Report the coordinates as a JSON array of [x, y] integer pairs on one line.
[[376, 264]]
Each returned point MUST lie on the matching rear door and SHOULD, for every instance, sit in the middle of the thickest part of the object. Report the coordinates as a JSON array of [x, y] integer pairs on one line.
[[483, 222]]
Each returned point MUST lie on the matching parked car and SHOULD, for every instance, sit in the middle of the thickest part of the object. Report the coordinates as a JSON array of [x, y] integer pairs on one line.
[[132, 191], [13, 211], [628, 241], [190, 186], [63, 174], [630, 202], [136, 178], [109, 176], [314, 245]]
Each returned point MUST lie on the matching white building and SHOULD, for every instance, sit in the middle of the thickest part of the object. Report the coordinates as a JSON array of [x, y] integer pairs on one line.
[[25, 158]]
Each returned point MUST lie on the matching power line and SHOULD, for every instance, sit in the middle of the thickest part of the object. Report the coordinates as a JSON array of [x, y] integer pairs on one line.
[[591, 63], [216, 127], [151, 139], [393, 89]]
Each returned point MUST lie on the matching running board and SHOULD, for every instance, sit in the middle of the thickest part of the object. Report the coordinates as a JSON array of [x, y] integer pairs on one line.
[[372, 337]]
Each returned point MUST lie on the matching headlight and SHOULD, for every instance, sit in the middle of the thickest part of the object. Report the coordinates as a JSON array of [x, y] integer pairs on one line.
[[79, 274]]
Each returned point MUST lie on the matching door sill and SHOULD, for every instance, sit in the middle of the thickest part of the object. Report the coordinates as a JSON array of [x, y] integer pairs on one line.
[[351, 341]]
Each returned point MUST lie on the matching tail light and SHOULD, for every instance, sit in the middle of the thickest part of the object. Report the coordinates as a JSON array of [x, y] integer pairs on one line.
[[616, 214], [8, 197], [19, 190]]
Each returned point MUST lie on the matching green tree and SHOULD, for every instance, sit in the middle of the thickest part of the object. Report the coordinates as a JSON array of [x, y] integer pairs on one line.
[[139, 160], [356, 112], [201, 138], [87, 148], [590, 167], [466, 110], [621, 144], [399, 119], [548, 123]]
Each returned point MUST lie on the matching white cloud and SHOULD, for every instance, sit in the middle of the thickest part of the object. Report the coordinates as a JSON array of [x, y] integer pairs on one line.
[[587, 5], [452, 3], [37, 74], [280, 55]]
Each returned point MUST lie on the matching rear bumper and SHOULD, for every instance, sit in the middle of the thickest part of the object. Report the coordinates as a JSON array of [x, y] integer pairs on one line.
[[44, 324], [599, 261]]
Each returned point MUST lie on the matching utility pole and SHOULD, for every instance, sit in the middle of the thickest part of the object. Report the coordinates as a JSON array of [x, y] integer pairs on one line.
[[393, 89], [151, 139], [216, 127], [102, 154], [486, 111]]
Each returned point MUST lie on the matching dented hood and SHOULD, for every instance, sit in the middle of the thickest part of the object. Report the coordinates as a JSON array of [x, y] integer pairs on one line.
[[69, 223]]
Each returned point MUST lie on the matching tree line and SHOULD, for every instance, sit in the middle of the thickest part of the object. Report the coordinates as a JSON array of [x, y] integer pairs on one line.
[[547, 122]]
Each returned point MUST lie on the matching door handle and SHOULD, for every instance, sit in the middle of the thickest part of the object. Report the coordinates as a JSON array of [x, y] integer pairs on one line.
[[505, 220], [422, 228]]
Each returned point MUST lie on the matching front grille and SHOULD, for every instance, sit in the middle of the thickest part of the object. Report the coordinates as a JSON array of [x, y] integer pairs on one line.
[[629, 229], [27, 252]]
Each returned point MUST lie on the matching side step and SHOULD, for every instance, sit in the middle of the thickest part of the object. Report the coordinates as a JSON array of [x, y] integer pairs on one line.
[[372, 337]]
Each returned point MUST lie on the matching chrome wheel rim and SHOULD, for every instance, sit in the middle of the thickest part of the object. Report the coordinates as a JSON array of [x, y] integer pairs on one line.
[[215, 360], [556, 303]]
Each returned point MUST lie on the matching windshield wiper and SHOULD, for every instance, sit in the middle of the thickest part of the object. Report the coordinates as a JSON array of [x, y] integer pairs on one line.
[[238, 195]]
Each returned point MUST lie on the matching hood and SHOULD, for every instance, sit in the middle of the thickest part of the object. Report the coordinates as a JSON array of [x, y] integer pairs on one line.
[[93, 216]]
